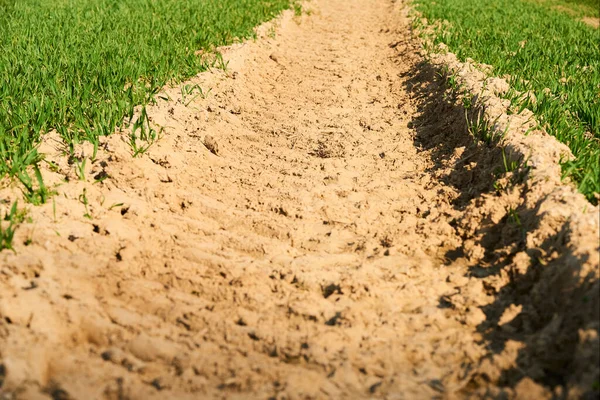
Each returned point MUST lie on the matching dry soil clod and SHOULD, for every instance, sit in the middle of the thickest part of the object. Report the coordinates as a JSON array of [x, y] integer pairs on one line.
[[211, 144]]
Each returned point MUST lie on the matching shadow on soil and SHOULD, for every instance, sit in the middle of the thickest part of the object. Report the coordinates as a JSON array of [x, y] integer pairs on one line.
[[558, 323]]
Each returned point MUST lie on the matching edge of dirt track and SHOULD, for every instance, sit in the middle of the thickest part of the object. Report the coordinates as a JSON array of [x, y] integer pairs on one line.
[[548, 296]]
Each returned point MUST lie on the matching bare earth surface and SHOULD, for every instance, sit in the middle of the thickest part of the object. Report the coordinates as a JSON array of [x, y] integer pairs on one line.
[[302, 233], [592, 21]]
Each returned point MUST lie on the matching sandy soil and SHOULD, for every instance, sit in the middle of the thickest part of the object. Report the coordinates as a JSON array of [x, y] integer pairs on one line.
[[322, 225], [592, 21]]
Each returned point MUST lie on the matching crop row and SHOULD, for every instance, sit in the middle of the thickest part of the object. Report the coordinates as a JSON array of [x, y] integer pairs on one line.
[[548, 54], [81, 66]]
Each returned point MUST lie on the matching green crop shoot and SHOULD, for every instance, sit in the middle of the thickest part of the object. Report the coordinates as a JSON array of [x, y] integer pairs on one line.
[[7, 233]]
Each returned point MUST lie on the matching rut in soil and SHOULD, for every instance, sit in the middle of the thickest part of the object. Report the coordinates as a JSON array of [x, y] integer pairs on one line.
[[293, 235]]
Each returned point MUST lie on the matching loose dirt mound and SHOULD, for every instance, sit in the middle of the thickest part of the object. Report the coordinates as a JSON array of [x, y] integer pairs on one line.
[[320, 226]]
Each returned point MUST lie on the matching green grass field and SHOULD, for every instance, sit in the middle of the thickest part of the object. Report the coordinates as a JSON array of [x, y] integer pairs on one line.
[[546, 51], [591, 6], [80, 66], [575, 8]]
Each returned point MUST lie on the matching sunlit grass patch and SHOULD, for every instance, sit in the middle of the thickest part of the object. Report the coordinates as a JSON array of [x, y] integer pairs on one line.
[[81, 66], [545, 52]]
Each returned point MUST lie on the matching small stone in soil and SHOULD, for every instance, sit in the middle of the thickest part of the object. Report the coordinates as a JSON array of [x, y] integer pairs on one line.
[[275, 57], [211, 144]]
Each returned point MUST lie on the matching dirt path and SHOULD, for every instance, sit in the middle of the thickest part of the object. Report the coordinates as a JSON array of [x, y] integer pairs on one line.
[[315, 255]]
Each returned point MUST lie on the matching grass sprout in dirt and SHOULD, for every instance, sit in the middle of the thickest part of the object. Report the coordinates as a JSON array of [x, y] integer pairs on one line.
[[8, 226], [81, 66], [553, 61]]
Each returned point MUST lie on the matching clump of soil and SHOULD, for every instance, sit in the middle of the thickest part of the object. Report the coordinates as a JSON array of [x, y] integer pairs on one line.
[[211, 144]]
